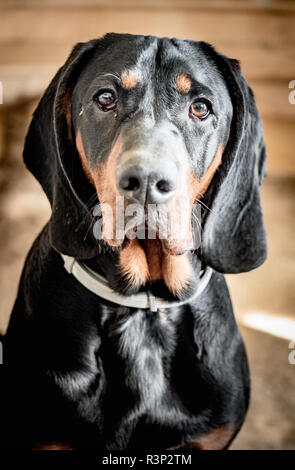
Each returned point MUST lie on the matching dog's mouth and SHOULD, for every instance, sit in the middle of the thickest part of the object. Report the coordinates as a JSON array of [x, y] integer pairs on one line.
[[143, 262], [154, 247]]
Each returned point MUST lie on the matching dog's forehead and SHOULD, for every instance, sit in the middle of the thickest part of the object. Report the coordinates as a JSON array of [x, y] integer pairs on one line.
[[142, 59]]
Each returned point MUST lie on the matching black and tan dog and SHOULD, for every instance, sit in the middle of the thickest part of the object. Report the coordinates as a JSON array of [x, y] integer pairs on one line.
[[158, 121]]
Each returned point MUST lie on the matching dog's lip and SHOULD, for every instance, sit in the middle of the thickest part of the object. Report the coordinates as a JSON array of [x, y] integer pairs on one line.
[[169, 247]]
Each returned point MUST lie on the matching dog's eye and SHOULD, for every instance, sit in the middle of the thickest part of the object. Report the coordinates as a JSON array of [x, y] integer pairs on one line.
[[200, 109], [106, 100]]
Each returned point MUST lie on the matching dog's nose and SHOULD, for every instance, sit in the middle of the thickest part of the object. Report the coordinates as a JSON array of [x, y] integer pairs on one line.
[[151, 186]]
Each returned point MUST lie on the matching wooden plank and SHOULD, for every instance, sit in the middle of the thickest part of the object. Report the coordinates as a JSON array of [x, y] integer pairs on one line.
[[1, 135], [25, 82], [260, 65], [264, 43], [249, 27], [273, 100], [279, 137], [276, 6]]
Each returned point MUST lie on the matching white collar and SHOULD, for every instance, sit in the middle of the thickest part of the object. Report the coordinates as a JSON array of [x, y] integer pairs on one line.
[[98, 285]]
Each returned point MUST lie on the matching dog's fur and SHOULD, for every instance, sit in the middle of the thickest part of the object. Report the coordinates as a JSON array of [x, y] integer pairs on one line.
[[86, 373]]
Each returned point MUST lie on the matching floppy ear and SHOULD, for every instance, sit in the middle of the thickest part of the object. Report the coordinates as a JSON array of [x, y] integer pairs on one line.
[[234, 238], [51, 155]]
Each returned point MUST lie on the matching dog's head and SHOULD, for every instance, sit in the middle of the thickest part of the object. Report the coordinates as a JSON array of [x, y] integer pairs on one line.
[[152, 129]]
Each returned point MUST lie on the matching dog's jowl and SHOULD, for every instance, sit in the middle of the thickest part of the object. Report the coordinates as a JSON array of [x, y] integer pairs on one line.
[[151, 153]]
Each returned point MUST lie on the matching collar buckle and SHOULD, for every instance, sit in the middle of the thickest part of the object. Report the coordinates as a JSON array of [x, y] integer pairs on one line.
[[152, 302]]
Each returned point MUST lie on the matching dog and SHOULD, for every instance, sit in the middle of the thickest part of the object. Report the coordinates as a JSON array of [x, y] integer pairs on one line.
[[119, 341]]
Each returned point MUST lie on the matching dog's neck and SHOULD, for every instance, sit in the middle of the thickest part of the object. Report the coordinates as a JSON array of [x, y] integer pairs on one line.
[[98, 285], [107, 264]]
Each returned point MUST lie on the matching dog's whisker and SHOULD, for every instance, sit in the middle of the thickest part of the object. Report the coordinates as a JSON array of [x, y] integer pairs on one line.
[[204, 205], [88, 230], [199, 228], [91, 200]]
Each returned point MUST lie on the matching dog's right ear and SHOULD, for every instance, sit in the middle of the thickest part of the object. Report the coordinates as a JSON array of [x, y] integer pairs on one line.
[[234, 238], [51, 155]]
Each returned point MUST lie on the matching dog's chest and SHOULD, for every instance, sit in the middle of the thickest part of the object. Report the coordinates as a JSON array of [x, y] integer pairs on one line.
[[146, 344]]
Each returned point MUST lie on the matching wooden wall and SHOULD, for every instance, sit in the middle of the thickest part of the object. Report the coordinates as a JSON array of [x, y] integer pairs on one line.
[[36, 37]]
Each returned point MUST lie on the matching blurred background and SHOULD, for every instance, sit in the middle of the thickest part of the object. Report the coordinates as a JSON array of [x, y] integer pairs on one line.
[[35, 39]]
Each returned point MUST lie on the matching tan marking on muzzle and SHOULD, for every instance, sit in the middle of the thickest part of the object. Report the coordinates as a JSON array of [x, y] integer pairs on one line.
[[83, 158], [177, 272], [179, 208], [180, 219], [207, 178], [154, 253], [198, 186], [129, 80], [104, 180], [133, 264], [183, 83]]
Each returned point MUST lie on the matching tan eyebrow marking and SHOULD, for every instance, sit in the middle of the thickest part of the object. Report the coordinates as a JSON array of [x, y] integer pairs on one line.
[[129, 80], [183, 83]]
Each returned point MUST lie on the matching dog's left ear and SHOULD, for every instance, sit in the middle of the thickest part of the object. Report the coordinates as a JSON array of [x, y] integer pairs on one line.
[[51, 155], [234, 238]]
